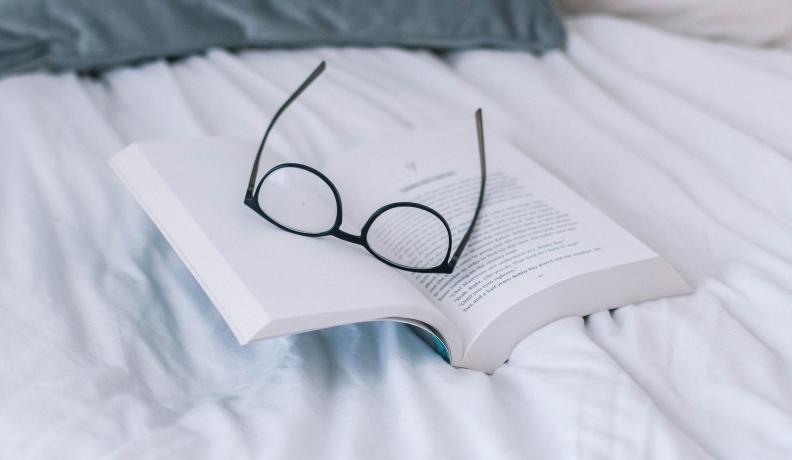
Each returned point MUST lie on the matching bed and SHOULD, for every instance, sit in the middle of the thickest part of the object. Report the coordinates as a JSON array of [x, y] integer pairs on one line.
[[109, 348]]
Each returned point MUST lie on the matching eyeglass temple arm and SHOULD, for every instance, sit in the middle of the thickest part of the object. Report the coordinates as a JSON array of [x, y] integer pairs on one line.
[[482, 160], [252, 183]]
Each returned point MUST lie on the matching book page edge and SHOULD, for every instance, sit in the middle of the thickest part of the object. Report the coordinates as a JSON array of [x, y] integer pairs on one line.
[[123, 163]]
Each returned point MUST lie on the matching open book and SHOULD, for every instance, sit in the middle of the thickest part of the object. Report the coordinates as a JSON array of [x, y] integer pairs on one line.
[[538, 252]]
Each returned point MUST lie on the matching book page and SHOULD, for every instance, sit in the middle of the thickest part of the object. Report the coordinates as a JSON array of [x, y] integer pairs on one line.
[[264, 280], [532, 233]]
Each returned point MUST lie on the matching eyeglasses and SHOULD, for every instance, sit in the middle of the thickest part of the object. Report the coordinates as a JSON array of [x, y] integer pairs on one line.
[[405, 235]]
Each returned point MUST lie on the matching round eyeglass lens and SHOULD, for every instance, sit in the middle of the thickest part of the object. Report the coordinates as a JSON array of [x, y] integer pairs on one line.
[[410, 237], [298, 200]]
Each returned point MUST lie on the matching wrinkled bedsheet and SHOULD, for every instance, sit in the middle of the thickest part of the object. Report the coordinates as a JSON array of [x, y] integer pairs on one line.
[[109, 348]]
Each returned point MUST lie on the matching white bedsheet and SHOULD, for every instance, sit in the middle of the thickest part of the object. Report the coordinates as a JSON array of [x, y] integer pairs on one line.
[[109, 349]]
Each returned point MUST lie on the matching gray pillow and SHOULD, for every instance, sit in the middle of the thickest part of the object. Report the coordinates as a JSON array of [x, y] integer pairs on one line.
[[95, 34]]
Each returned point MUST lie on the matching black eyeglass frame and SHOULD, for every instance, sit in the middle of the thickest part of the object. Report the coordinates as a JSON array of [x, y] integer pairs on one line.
[[449, 261]]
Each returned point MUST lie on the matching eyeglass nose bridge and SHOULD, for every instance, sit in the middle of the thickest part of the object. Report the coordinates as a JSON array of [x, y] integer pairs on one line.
[[338, 233]]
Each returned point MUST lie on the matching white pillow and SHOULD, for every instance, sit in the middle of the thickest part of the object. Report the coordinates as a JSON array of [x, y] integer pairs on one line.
[[751, 22]]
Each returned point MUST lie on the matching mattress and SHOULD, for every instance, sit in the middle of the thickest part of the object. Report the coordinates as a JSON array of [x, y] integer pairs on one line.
[[109, 348]]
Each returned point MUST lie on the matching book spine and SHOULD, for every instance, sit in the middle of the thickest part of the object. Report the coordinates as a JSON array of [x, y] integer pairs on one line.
[[433, 340]]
